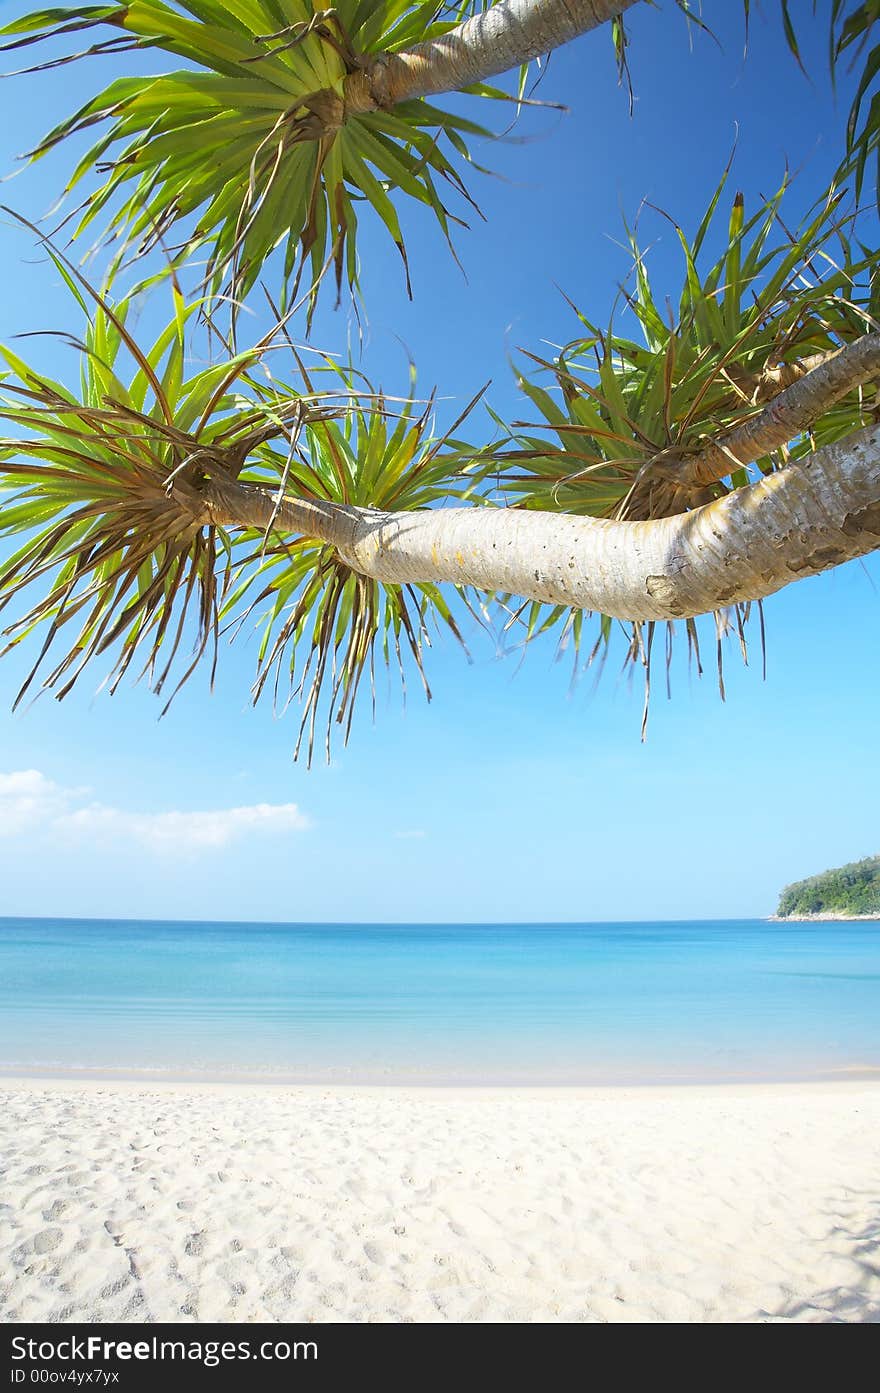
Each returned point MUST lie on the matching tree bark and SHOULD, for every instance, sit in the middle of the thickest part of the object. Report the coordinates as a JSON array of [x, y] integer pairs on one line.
[[811, 515], [510, 33], [786, 416]]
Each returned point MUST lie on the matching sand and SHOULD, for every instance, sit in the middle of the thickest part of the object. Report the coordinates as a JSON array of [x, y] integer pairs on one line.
[[140, 1202]]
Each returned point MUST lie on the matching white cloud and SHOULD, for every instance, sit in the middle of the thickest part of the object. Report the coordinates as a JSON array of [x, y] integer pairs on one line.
[[25, 783], [28, 799], [410, 834], [184, 831]]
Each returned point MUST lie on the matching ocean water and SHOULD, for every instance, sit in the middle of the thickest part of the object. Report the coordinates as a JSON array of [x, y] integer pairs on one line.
[[574, 1003]]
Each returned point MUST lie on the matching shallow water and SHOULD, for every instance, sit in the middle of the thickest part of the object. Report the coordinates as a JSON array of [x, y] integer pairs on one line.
[[574, 1003]]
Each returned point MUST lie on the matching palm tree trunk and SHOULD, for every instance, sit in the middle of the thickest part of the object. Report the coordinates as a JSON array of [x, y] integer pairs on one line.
[[811, 515], [506, 35]]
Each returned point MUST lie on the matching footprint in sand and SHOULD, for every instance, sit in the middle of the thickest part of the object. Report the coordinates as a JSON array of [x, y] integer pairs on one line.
[[48, 1240]]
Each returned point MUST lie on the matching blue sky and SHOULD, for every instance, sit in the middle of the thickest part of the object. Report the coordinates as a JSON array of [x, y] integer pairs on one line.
[[510, 797]]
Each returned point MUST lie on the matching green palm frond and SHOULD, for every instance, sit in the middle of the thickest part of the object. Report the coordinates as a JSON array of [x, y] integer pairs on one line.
[[851, 29], [851, 48], [620, 409], [250, 147], [103, 485], [114, 554], [321, 624]]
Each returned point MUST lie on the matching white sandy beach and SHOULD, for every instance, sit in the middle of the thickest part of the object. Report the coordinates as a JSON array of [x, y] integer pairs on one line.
[[141, 1202]]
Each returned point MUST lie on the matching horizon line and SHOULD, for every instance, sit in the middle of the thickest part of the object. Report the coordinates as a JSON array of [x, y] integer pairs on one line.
[[390, 923]]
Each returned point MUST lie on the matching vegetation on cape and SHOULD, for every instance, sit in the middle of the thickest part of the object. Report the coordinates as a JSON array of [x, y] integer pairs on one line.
[[852, 889]]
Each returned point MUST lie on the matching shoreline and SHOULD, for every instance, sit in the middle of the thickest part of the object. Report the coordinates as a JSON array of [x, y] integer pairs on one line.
[[239, 1087], [825, 916], [151, 1201], [20, 1075]]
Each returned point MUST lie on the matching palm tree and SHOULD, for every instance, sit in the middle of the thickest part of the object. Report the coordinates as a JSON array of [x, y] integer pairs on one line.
[[733, 450]]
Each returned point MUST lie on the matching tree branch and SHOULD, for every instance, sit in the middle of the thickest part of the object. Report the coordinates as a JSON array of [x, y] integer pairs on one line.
[[811, 515], [505, 36], [224, 502], [784, 417]]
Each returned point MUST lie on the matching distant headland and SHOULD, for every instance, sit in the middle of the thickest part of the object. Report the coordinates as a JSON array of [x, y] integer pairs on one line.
[[849, 892]]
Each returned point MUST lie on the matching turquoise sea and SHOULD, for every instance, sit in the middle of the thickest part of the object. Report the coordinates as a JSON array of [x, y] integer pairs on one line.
[[573, 1003]]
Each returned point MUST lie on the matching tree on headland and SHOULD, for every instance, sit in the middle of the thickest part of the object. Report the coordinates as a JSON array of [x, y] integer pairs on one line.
[[853, 889], [731, 449]]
